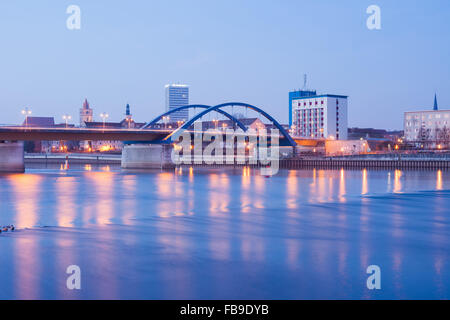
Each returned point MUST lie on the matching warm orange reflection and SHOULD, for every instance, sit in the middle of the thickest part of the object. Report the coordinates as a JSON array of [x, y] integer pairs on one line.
[[253, 249], [292, 190], [313, 183], [129, 202], [246, 202], [330, 189], [191, 174], [104, 188], [321, 186], [397, 181], [342, 189], [164, 189], [170, 206], [66, 192], [27, 192], [439, 180], [365, 187], [259, 184], [219, 194]]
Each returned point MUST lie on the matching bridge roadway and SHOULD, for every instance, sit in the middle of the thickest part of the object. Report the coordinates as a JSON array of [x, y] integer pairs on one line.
[[80, 134], [98, 134]]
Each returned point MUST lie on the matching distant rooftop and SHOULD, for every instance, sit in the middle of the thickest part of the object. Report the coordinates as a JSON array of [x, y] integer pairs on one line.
[[42, 122], [422, 111], [321, 96], [113, 125], [177, 85]]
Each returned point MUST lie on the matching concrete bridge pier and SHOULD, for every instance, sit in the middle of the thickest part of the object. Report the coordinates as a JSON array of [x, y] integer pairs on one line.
[[147, 156], [11, 157]]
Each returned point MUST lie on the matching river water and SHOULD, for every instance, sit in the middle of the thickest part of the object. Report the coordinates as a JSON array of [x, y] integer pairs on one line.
[[225, 234]]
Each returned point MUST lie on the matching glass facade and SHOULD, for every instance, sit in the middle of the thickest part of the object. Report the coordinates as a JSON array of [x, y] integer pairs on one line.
[[177, 95]]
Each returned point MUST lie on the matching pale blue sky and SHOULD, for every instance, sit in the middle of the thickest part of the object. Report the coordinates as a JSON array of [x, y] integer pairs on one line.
[[246, 50]]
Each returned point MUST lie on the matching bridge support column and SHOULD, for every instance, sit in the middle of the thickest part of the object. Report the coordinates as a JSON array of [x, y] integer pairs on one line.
[[147, 156], [11, 157]]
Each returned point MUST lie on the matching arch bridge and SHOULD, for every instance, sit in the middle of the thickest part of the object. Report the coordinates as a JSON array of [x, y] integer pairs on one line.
[[170, 138]]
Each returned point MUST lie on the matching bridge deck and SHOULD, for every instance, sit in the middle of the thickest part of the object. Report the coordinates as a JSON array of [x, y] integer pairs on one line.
[[80, 134], [83, 134]]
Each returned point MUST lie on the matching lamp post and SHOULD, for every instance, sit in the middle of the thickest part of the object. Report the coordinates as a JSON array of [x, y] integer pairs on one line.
[[129, 120], [26, 112], [165, 120], [66, 118], [104, 116]]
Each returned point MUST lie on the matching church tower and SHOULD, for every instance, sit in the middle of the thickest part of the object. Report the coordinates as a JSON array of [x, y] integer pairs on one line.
[[435, 107], [128, 117], [86, 113]]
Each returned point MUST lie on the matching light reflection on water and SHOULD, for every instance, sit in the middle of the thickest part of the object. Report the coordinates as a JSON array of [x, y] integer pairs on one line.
[[191, 233]]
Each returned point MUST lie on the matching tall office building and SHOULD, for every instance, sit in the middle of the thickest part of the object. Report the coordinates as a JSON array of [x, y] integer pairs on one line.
[[319, 116], [177, 95]]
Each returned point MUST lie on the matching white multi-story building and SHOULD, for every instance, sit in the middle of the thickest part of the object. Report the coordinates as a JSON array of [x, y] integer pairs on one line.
[[433, 125], [320, 116], [177, 95]]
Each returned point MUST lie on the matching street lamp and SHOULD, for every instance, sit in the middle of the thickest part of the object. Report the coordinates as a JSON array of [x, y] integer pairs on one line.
[[66, 118], [165, 120], [104, 116], [26, 112], [129, 120]]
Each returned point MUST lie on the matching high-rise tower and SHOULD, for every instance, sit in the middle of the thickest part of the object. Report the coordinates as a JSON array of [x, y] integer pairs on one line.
[[177, 95]]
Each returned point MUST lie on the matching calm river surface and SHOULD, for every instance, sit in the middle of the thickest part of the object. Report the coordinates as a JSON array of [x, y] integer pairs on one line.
[[225, 234]]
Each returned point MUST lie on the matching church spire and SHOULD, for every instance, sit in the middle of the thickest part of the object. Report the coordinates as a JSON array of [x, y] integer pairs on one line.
[[128, 112], [435, 107], [85, 104]]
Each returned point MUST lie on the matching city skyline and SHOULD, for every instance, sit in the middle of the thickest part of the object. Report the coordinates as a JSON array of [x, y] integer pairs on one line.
[[226, 55], [225, 158]]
